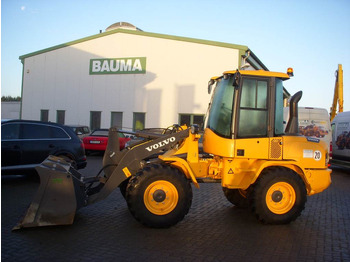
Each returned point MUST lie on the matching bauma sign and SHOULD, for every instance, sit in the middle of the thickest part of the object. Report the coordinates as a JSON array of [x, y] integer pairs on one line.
[[128, 65]]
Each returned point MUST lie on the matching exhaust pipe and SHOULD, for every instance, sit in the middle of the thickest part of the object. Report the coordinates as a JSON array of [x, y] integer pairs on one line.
[[292, 127]]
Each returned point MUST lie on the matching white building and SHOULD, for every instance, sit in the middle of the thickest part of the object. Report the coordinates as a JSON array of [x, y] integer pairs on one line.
[[10, 110], [126, 77]]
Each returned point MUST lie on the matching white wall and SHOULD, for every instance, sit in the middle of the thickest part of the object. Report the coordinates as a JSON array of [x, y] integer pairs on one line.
[[10, 110], [176, 78]]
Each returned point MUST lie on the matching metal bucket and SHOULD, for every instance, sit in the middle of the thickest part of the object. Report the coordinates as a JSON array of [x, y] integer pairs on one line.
[[60, 194]]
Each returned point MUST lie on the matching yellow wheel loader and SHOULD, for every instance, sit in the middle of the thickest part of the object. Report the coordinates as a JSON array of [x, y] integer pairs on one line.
[[259, 164]]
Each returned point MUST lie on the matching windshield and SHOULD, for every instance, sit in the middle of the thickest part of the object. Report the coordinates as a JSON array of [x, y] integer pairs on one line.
[[220, 112], [99, 133]]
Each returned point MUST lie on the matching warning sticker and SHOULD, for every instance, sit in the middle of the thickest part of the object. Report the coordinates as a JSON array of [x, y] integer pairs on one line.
[[308, 153]]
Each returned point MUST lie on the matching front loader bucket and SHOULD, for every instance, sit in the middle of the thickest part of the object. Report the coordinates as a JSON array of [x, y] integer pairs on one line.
[[59, 195]]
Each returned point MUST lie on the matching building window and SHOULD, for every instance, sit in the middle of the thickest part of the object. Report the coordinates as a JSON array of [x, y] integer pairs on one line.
[[190, 119], [185, 119], [198, 120], [117, 119], [60, 116], [95, 120], [44, 115], [139, 121]]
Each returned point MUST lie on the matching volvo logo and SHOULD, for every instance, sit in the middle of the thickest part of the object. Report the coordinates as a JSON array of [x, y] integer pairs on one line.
[[160, 144]]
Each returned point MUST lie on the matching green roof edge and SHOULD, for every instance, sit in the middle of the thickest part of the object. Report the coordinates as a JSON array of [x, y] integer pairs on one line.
[[242, 48]]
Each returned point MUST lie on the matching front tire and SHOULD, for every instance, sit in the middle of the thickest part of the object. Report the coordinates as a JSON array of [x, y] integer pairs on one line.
[[278, 196], [123, 187], [159, 196]]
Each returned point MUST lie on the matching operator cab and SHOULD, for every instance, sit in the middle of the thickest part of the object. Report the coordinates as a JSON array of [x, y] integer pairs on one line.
[[245, 104]]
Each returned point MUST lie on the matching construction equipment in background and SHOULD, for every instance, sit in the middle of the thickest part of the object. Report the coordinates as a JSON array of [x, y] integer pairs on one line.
[[245, 148], [338, 99]]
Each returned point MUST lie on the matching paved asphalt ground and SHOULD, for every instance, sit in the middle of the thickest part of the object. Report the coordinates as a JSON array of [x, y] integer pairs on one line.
[[214, 230]]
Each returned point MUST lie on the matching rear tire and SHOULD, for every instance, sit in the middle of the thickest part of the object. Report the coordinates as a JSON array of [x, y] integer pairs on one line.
[[237, 197], [278, 196], [159, 196]]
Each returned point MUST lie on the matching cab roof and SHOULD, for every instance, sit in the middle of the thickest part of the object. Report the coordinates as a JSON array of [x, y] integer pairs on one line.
[[262, 73]]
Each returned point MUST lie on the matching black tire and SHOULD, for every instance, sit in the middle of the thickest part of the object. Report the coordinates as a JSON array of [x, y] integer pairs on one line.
[[123, 187], [237, 197], [278, 196], [159, 196]]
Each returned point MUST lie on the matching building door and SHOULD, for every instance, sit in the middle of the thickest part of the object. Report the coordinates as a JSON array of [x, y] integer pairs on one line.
[[139, 121], [95, 120], [44, 115], [117, 119], [60, 117]]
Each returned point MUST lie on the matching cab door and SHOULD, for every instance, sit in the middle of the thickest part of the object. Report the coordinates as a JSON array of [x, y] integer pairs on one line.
[[253, 121]]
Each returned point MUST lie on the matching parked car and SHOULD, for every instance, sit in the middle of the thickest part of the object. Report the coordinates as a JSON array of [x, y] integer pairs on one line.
[[80, 131], [26, 143], [341, 138], [97, 140]]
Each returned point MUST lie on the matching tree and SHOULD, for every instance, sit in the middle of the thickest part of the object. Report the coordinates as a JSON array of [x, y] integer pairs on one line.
[[10, 98]]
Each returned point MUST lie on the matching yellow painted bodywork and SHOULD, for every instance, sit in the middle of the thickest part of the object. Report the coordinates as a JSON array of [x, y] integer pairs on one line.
[[216, 145], [238, 163], [240, 171], [191, 166]]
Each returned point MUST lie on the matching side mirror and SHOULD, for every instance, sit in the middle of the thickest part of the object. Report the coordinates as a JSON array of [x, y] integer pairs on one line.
[[210, 85], [236, 79]]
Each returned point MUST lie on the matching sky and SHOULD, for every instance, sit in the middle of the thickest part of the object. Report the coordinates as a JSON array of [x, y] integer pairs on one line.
[[312, 37]]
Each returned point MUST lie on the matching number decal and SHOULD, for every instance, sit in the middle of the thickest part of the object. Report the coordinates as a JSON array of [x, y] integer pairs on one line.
[[317, 155]]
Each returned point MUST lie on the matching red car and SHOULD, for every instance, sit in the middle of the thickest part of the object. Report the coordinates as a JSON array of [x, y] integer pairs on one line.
[[97, 141]]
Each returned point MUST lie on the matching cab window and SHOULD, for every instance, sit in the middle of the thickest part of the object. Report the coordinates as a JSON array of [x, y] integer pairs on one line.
[[220, 113], [279, 129], [253, 112]]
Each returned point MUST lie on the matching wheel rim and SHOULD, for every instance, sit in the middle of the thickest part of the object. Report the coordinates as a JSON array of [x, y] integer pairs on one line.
[[280, 198], [161, 197]]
